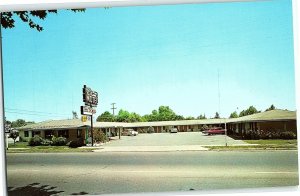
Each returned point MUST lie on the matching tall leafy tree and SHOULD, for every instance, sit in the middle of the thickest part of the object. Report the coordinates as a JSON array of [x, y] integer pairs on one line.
[[18, 123], [272, 107], [123, 116], [234, 115], [201, 116], [249, 111], [165, 113], [217, 115], [106, 117], [190, 118]]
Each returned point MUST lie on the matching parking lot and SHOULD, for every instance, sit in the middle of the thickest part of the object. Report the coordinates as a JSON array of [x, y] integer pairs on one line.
[[174, 139]]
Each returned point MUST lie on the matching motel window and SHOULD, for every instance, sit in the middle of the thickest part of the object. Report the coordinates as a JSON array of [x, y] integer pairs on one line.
[[63, 133], [26, 133], [49, 134], [36, 133], [79, 132]]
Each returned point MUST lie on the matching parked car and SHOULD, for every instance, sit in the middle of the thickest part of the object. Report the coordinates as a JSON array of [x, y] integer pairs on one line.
[[214, 131], [173, 130], [130, 132]]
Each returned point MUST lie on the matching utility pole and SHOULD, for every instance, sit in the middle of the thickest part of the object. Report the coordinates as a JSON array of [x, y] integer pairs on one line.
[[219, 96], [2, 122], [113, 108]]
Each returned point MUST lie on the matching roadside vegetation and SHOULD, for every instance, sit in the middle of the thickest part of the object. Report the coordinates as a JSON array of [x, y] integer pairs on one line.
[[24, 147], [261, 145], [55, 144]]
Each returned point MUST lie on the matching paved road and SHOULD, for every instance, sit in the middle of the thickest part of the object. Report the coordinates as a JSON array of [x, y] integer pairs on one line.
[[101, 173]]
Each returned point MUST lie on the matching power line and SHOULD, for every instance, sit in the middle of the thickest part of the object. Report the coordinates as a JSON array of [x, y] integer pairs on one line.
[[24, 113], [32, 111]]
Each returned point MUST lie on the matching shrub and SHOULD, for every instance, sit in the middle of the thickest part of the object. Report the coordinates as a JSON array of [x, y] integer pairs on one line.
[[76, 143], [204, 127], [99, 136], [35, 141], [288, 135], [58, 141], [46, 142], [150, 130]]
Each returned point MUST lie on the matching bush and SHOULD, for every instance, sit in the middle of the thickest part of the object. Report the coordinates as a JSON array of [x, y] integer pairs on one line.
[[58, 141], [204, 127], [99, 136], [288, 135], [150, 130], [76, 143], [35, 141], [46, 142]]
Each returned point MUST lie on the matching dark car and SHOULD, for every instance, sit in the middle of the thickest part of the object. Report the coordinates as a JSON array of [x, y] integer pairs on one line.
[[215, 131]]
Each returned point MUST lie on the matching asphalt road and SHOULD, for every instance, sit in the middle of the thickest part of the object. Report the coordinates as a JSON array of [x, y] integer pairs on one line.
[[103, 173]]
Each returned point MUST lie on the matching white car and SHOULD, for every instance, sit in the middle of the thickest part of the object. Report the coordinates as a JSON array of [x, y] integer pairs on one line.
[[131, 132], [173, 130]]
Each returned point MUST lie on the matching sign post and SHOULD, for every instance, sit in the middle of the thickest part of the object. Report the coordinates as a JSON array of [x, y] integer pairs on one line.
[[90, 99]]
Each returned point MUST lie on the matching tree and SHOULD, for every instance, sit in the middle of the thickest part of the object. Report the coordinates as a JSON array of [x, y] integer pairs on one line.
[[190, 118], [201, 116], [123, 116], [8, 22], [106, 117], [14, 134], [272, 107], [18, 123], [234, 115], [217, 115], [249, 111]]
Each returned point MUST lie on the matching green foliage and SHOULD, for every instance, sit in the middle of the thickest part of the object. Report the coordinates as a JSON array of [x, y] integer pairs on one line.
[[125, 116], [58, 141], [19, 123], [190, 118], [106, 117], [288, 135], [76, 143], [35, 141], [204, 127], [201, 116], [234, 115], [14, 134], [99, 136], [272, 107], [46, 142], [55, 141], [249, 111], [217, 115], [150, 130]]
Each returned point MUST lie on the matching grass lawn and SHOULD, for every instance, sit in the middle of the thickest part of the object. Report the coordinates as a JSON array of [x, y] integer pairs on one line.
[[272, 142], [23, 147], [261, 145]]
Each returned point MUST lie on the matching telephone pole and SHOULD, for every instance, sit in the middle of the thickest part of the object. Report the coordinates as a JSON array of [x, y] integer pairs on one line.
[[113, 108]]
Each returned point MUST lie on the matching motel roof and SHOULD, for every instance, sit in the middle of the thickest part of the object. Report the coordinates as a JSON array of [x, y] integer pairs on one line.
[[55, 124], [169, 123], [273, 115]]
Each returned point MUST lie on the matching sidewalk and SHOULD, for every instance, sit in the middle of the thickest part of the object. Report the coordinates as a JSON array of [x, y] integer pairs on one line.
[[150, 148]]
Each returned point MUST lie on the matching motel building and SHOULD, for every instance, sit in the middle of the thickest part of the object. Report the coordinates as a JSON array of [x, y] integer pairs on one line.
[[274, 121]]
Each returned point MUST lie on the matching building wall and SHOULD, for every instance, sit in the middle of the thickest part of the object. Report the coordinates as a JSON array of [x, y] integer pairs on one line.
[[271, 126]]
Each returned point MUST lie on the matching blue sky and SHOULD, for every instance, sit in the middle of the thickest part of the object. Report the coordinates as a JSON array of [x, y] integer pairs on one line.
[[144, 57]]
